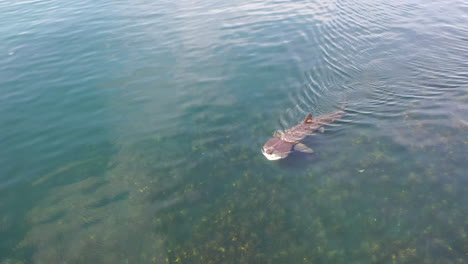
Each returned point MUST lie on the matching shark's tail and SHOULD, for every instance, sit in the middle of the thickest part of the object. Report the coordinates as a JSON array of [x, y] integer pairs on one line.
[[345, 103]]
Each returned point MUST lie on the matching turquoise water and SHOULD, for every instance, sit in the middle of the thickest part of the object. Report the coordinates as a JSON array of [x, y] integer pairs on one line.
[[130, 131]]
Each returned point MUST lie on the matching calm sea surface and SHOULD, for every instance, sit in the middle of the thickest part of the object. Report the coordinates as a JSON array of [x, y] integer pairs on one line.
[[130, 131]]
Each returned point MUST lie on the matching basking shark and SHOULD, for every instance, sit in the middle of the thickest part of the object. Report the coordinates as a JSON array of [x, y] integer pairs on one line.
[[285, 142]]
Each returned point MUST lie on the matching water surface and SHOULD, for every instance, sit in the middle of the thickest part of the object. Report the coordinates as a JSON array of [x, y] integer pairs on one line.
[[130, 132]]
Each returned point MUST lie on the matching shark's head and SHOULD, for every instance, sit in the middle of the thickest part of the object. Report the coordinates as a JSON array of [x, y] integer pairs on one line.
[[275, 149]]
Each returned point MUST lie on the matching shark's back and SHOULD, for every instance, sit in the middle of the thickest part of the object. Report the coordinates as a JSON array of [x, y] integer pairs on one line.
[[309, 126], [329, 118]]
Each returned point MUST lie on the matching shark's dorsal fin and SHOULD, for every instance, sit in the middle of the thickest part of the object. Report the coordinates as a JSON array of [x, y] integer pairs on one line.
[[308, 119]]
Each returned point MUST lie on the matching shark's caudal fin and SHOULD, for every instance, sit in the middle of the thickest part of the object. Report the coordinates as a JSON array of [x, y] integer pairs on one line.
[[345, 103], [308, 119]]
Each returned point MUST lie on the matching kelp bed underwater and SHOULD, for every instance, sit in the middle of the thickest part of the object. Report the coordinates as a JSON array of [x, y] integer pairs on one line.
[[234, 211]]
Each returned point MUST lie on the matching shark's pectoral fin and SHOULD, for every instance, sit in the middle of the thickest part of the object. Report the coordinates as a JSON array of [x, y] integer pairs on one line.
[[278, 133], [322, 130], [303, 148]]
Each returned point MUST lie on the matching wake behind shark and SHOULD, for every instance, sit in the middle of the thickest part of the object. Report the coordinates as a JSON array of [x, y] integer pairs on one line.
[[285, 142]]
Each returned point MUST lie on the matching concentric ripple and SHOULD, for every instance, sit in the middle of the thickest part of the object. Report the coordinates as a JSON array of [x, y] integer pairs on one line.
[[130, 131]]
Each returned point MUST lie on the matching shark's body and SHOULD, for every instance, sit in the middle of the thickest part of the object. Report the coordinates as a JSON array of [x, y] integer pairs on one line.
[[283, 143]]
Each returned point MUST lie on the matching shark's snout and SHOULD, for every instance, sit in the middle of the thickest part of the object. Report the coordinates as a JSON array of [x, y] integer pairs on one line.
[[270, 155], [276, 149]]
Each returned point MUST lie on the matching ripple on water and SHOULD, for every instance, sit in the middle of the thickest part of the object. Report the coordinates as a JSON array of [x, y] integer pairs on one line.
[[137, 127]]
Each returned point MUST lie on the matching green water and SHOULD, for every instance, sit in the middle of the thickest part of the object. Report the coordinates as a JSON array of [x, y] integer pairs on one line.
[[130, 131]]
